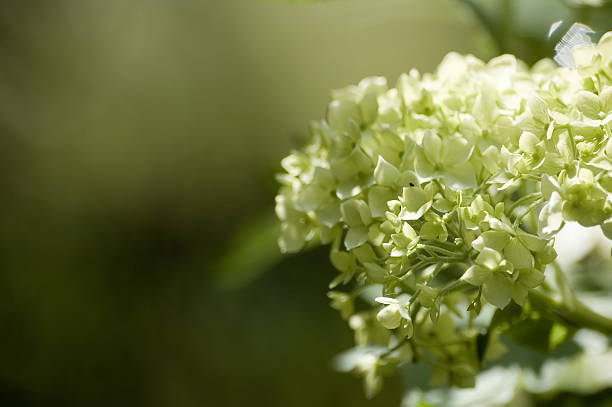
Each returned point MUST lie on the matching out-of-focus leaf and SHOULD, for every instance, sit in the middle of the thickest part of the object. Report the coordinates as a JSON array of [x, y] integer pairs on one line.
[[496, 386], [537, 330], [584, 373], [251, 251]]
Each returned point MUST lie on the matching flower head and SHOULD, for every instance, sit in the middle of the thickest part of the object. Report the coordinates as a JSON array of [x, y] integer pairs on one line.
[[448, 187]]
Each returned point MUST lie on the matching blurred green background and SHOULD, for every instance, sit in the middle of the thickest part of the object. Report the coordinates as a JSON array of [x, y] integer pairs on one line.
[[139, 140]]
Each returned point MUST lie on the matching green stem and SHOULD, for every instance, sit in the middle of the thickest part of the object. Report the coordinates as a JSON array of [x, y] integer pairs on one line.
[[438, 249], [453, 286], [529, 210], [393, 349], [577, 313], [524, 199]]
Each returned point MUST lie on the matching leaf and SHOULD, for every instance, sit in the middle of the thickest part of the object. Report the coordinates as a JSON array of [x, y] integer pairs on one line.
[[540, 331], [251, 251], [558, 334]]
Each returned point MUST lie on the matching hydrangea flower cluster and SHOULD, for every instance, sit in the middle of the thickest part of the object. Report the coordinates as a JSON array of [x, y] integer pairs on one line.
[[441, 198]]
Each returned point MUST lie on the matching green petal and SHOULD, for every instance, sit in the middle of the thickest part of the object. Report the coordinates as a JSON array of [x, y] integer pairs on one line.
[[431, 230], [338, 113], [585, 57], [377, 200], [376, 236], [408, 179], [498, 290], [497, 224], [330, 214], [295, 163], [292, 237], [559, 118], [461, 177], [476, 275], [528, 142], [349, 188], [531, 278], [443, 205], [342, 302], [365, 254], [344, 168], [423, 167], [353, 130], [468, 128], [489, 258], [427, 296], [588, 104], [492, 239], [369, 107], [538, 108], [416, 202], [389, 110], [564, 146], [432, 146], [519, 294], [605, 99], [385, 173], [491, 159], [389, 316], [406, 238], [324, 177], [400, 240], [374, 84], [532, 242], [408, 326], [456, 151], [356, 237], [355, 213], [481, 206], [361, 160], [311, 198], [511, 160], [409, 232], [485, 109], [390, 139], [518, 255], [343, 261]]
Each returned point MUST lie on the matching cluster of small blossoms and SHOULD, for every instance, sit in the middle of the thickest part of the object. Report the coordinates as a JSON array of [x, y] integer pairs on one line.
[[441, 198]]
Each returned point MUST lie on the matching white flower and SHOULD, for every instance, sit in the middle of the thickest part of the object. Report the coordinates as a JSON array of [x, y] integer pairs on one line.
[[396, 310]]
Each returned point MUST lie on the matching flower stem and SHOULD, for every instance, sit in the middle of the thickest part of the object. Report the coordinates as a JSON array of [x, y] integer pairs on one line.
[[575, 313]]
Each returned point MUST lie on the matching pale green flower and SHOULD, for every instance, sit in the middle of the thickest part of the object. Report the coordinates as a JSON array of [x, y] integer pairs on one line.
[[445, 188], [579, 198], [551, 216], [446, 159], [456, 365], [364, 361], [343, 302], [492, 272], [396, 313]]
